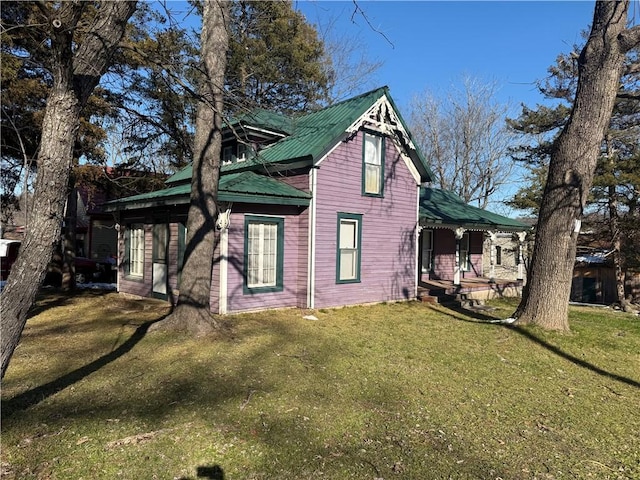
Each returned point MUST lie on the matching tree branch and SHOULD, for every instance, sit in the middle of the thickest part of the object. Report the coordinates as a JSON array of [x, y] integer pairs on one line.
[[630, 38]]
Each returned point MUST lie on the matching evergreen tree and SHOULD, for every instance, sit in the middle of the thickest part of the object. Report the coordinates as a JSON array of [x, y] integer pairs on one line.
[[610, 211]]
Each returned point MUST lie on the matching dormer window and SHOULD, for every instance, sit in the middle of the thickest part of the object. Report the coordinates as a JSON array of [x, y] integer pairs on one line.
[[242, 152], [227, 155]]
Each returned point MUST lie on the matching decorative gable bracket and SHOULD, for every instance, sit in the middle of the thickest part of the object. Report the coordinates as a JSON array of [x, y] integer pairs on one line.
[[382, 117]]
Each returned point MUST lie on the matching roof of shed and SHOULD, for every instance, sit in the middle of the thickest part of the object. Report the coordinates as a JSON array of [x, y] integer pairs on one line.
[[441, 208], [244, 187]]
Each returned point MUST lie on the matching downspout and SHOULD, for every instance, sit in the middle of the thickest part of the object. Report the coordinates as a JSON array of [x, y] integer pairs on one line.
[[417, 266], [311, 253]]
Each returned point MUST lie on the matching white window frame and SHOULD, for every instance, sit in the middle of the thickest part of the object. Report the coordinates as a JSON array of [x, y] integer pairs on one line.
[[136, 250]]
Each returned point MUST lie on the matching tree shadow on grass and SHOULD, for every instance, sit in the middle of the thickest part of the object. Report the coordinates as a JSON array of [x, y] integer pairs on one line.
[[214, 472], [36, 395], [478, 317]]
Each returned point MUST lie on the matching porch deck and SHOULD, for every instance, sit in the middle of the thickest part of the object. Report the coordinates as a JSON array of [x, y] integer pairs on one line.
[[470, 288]]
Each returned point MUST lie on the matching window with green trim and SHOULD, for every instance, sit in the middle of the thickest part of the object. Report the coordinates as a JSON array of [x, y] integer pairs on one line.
[[372, 164], [263, 254], [349, 250]]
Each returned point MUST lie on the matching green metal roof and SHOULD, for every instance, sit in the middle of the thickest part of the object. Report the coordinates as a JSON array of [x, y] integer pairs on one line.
[[265, 119], [312, 136], [244, 187], [445, 209]]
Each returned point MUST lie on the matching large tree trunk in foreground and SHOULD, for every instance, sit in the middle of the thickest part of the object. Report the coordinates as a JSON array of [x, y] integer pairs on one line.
[[76, 71], [572, 166], [193, 311]]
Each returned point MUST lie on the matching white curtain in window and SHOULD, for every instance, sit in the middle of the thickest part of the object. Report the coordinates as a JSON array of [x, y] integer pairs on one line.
[[262, 254], [373, 163], [136, 250]]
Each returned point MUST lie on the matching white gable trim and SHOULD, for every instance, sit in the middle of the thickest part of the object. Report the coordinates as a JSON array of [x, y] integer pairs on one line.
[[382, 117]]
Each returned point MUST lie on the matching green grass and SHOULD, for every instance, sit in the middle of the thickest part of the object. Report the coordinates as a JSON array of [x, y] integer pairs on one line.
[[405, 391]]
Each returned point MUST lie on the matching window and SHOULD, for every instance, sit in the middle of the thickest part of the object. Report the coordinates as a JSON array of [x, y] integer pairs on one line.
[[427, 251], [349, 251], [227, 155], [242, 152], [498, 255], [263, 254], [134, 249], [160, 238], [372, 164], [465, 263]]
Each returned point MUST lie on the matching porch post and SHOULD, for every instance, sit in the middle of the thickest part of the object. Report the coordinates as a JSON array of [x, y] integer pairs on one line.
[[521, 238], [492, 257], [459, 233]]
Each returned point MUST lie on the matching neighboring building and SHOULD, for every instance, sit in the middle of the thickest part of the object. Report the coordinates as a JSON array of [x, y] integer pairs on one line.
[[320, 210]]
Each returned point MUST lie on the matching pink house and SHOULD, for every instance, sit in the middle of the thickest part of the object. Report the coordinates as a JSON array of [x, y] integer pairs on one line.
[[319, 210]]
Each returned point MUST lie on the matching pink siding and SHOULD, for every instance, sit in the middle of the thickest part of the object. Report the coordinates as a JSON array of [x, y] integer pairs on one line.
[[136, 286], [388, 269], [445, 254], [301, 182], [290, 295]]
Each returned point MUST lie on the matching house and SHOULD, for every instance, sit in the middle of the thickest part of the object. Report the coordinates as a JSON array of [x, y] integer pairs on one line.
[[96, 236], [321, 210]]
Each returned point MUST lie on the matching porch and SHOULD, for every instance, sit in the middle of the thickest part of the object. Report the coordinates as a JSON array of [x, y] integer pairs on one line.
[[476, 289]]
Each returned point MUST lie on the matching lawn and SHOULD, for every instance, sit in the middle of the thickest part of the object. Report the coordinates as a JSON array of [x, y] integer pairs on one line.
[[405, 390]]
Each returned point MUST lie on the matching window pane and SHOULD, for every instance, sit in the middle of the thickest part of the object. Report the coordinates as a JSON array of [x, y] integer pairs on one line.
[[136, 250], [348, 231], [348, 264], [372, 149], [372, 178], [262, 254], [348, 249]]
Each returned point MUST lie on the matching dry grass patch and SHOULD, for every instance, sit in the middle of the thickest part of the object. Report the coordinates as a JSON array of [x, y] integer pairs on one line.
[[387, 391]]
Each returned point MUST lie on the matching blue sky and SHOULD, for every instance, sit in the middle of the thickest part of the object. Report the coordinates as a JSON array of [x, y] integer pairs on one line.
[[429, 45], [432, 44]]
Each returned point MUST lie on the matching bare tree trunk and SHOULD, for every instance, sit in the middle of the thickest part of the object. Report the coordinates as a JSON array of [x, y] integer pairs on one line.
[[76, 71], [572, 166], [193, 311]]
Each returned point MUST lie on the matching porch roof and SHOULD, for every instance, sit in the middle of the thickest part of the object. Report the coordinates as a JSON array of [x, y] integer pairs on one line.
[[245, 187], [444, 209]]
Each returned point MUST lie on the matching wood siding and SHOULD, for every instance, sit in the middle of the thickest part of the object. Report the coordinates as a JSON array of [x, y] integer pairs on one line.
[[238, 300], [444, 255], [388, 250]]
